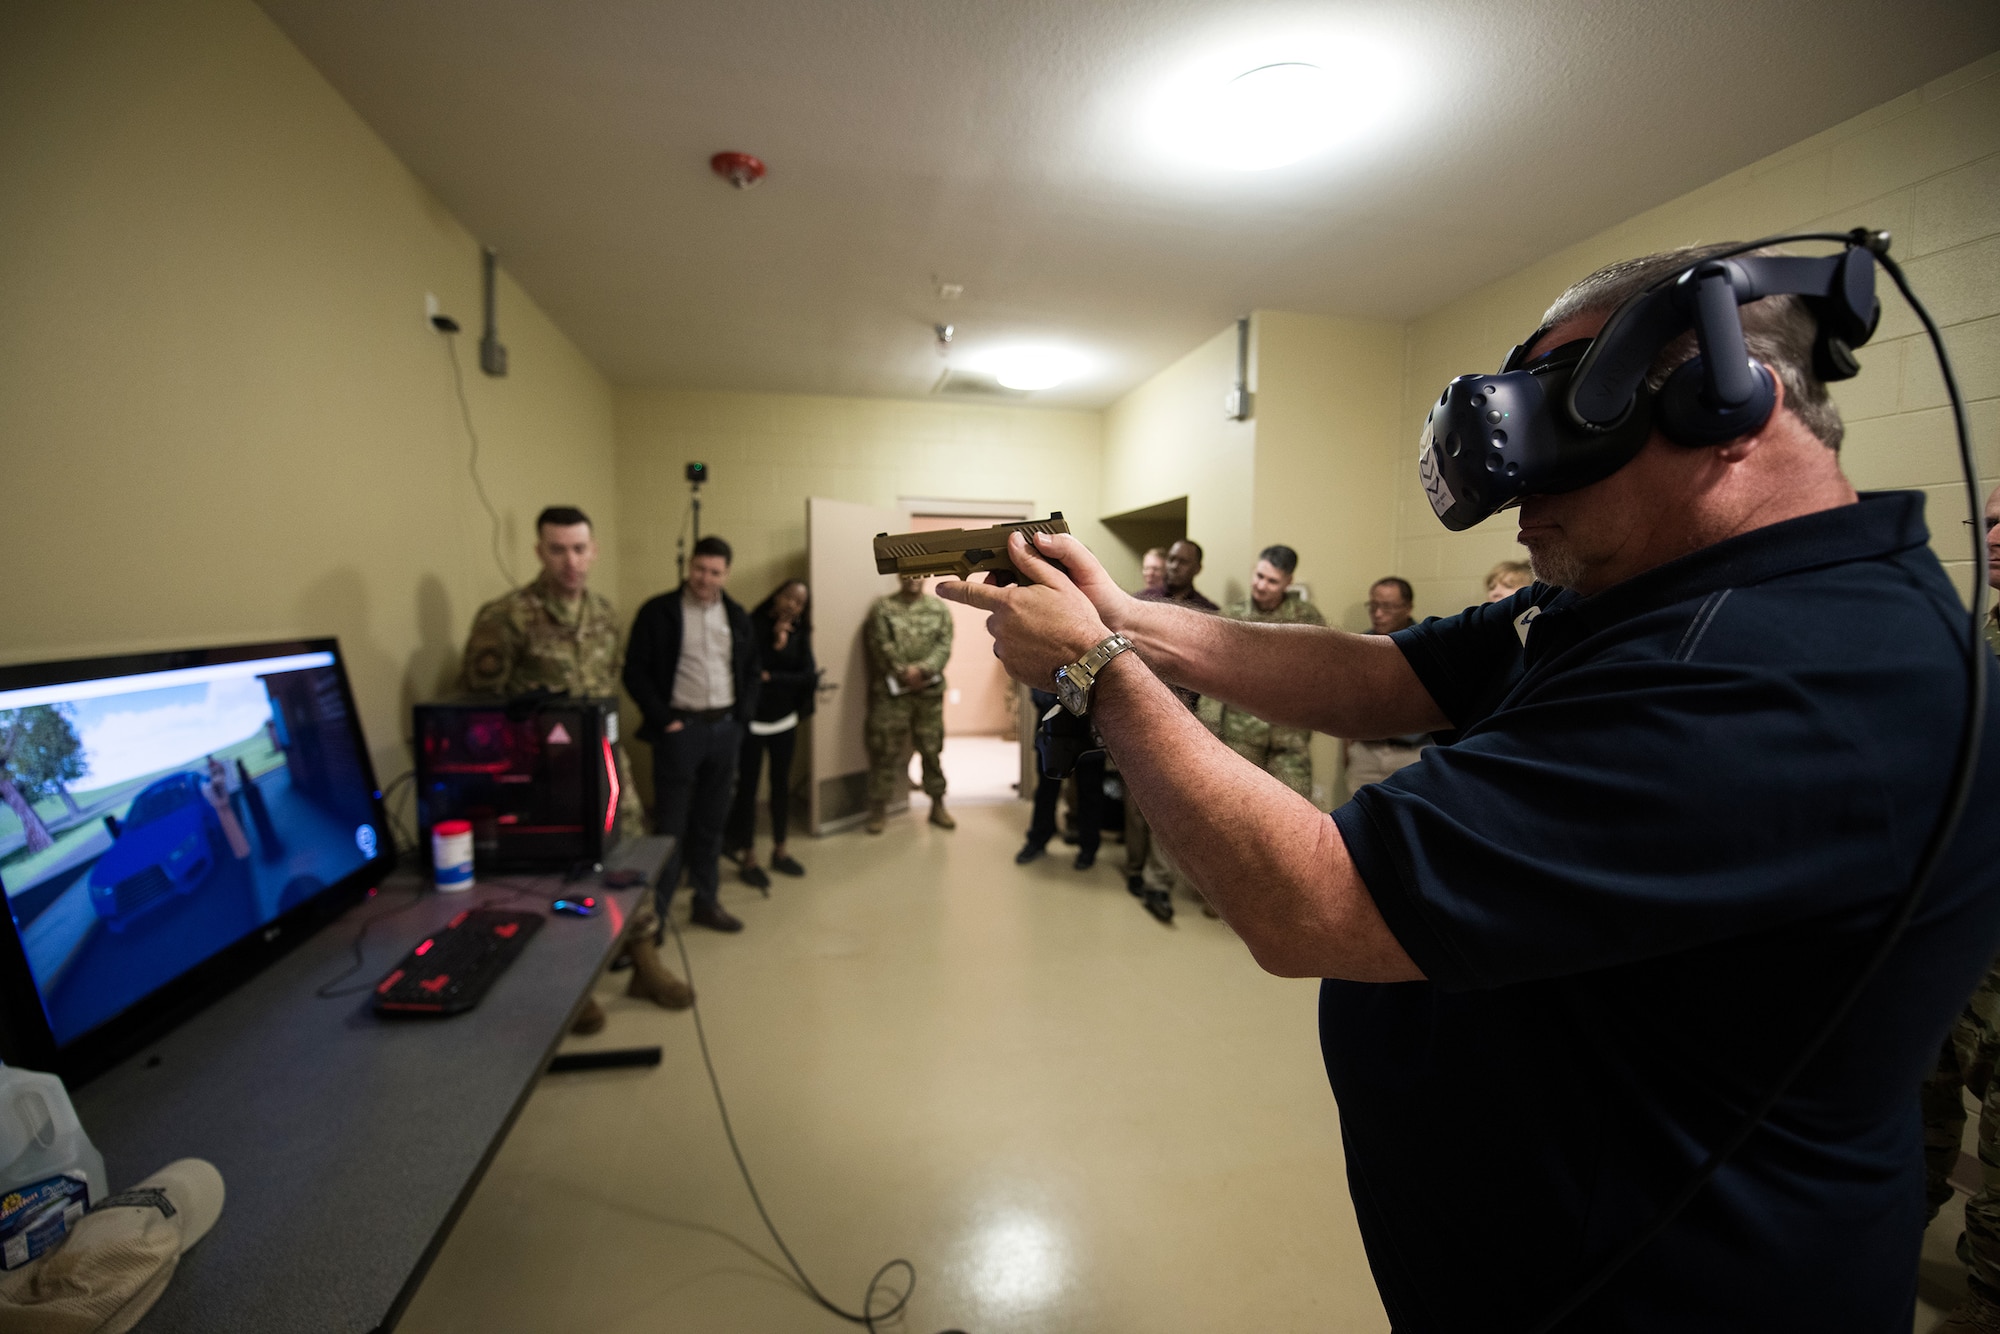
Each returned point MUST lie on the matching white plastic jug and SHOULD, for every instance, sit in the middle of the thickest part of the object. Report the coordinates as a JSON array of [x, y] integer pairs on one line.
[[43, 1154]]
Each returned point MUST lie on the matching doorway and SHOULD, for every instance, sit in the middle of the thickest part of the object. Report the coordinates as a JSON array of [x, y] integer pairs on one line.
[[982, 748], [982, 756]]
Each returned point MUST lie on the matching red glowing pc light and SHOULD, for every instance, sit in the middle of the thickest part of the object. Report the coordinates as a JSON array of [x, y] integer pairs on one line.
[[611, 776], [739, 169]]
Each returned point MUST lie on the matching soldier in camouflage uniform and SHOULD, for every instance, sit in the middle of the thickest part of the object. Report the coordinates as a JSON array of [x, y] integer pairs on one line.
[[1971, 1051], [555, 634], [1282, 752], [908, 637]]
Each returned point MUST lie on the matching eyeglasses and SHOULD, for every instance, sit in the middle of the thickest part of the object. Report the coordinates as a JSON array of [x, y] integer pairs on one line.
[[1991, 523]]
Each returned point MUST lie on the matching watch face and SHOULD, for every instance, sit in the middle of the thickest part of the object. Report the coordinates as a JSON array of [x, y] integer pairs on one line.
[[1074, 697]]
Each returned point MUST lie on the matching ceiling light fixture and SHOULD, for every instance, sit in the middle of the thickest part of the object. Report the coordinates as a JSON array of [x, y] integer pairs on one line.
[[1032, 367], [1255, 109]]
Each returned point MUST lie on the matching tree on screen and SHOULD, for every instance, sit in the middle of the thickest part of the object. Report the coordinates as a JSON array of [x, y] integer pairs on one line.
[[39, 755]]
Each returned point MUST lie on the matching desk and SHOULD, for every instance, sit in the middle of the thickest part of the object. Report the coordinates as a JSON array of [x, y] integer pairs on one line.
[[348, 1144]]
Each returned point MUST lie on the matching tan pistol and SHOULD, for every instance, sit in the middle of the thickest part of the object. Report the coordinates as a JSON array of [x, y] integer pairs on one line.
[[959, 552]]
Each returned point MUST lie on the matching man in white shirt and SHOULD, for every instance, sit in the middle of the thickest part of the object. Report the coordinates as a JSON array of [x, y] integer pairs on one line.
[[691, 667]]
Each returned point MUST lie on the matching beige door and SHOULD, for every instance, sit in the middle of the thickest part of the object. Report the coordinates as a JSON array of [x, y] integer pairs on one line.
[[840, 566], [977, 700]]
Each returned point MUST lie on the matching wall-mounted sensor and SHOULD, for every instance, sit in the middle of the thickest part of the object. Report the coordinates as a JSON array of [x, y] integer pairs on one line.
[[435, 317]]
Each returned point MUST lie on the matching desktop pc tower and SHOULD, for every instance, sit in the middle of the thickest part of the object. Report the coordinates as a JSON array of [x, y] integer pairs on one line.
[[535, 776]]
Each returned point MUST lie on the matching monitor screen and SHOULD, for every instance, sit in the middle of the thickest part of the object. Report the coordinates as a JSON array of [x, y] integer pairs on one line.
[[150, 819]]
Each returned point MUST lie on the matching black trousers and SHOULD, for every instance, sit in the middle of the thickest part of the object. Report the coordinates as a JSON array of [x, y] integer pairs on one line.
[[692, 772], [1089, 804], [742, 829]]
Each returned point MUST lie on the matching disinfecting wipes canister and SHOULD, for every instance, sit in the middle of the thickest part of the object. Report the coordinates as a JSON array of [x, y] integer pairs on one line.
[[451, 854]]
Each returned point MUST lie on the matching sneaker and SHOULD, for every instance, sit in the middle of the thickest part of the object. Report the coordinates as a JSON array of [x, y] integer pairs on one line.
[[1030, 850], [1159, 904], [713, 916], [1086, 859], [754, 877], [784, 865], [1974, 1315]]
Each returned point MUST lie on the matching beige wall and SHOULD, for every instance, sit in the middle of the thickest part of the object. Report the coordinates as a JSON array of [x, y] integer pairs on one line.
[[1329, 397], [768, 452], [1168, 438], [222, 414], [1926, 166]]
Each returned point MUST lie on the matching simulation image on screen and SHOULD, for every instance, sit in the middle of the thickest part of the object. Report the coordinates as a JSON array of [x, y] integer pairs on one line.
[[146, 822]]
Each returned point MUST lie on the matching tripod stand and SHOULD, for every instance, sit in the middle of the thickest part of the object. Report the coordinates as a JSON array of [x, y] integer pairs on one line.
[[681, 542]]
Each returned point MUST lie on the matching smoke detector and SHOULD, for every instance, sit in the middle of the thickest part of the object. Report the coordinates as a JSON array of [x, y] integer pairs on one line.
[[739, 169]]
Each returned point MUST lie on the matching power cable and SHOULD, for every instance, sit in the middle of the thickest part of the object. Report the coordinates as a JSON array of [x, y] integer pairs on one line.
[[867, 1316], [472, 459]]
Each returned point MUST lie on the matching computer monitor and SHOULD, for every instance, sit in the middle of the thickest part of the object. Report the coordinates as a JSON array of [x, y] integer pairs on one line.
[[170, 822]]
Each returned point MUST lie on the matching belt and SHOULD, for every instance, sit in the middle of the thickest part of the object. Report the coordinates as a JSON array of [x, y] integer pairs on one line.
[[698, 715]]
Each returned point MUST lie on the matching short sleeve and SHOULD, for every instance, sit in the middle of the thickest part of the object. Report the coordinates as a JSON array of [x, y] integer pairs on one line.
[[1467, 661], [1621, 811]]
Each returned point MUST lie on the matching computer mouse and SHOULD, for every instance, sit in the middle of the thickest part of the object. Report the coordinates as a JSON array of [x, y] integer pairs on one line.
[[623, 879], [584, 907]]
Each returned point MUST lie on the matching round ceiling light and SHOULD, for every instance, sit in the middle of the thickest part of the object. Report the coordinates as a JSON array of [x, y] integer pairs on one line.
[[1246, 116], [1032, 367]]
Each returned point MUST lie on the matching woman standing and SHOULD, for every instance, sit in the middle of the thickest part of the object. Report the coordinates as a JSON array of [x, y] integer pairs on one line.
[[783, 630]]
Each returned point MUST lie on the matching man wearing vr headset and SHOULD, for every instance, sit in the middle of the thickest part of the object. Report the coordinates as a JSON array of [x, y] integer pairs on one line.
[[1683, 782]]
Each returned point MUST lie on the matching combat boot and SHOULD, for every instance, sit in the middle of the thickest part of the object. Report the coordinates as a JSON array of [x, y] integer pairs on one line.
[[878, 815], [651, 980], [940, 816], [1974, 1315], [589, 1020]]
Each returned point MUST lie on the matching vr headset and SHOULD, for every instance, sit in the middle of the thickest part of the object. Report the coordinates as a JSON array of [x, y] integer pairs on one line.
[[1579, 412]]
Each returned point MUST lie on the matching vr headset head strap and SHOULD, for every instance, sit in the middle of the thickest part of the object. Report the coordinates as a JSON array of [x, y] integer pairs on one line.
[[1840, 289]]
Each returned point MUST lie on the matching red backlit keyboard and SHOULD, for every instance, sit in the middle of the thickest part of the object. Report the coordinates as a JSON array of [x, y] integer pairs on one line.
[[449, 973]]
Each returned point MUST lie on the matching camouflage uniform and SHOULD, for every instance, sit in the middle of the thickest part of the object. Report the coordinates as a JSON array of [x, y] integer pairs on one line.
[[532, 639], [1971, 1051], [903, 634], [1282, 752]]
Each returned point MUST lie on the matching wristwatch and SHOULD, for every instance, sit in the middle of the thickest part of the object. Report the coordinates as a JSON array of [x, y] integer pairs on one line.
[[1073, 682]]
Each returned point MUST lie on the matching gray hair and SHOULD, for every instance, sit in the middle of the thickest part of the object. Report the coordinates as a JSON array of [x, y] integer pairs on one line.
[[1778, 331]]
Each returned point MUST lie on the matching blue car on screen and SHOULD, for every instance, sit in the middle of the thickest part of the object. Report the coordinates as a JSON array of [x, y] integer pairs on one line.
[[165, 848]]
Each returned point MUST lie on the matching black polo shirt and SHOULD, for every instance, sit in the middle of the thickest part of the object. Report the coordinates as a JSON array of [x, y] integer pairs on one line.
[[1671, 825]]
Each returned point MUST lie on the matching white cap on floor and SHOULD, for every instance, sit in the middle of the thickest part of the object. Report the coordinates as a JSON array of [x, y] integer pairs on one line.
[[116, 1261]]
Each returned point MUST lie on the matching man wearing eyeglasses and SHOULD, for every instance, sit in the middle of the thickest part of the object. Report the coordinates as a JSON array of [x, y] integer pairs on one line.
[[1390, 601]]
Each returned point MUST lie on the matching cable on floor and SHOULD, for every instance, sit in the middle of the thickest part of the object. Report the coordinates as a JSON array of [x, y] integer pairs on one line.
[[867, 1316]]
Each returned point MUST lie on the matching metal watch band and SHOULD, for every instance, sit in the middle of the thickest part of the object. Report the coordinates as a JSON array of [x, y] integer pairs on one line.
[[1094, 661]]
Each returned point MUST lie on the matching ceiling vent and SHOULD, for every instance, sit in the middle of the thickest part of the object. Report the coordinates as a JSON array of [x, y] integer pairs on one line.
[[973, 384]]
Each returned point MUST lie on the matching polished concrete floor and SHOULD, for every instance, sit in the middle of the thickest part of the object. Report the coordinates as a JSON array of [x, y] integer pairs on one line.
[[1066, 1115]]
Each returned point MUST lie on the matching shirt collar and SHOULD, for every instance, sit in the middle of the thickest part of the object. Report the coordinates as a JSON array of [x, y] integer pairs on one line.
[[1882, 523], [561, 610]]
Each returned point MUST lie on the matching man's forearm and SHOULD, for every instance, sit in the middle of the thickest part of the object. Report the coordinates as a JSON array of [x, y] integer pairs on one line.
[[1272, 864], [1309, 676]]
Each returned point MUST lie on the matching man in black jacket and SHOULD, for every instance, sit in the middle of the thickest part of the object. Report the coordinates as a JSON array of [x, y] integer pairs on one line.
[[691, 666]]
